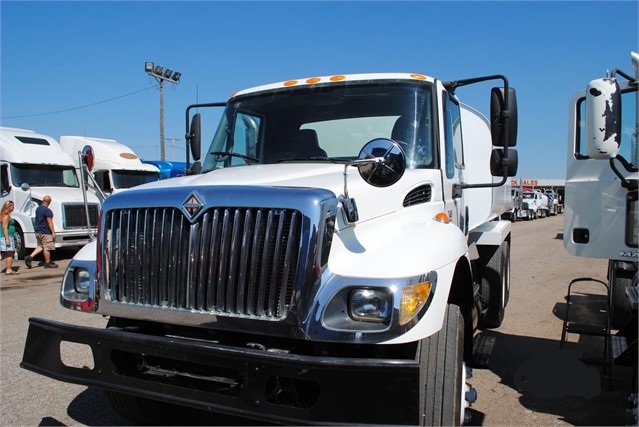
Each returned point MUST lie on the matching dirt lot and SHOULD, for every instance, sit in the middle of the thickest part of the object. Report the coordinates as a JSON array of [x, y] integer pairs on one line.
[[525, 379]]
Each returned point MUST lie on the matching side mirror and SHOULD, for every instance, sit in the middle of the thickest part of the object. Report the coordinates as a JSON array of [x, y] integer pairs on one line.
[[196, 168], [195, 136], [503, 122], [498, 161], [384, 173], [603, 121]]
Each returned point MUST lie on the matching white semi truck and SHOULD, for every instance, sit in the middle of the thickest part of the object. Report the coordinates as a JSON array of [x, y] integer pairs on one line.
[[601, 216], [32, 166], [110, 165], [326, 263]]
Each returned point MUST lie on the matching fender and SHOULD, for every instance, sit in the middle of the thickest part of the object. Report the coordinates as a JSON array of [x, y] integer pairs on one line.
[[405, 243]]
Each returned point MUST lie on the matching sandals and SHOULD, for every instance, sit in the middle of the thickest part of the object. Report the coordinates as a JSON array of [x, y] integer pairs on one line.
[[9, 273]]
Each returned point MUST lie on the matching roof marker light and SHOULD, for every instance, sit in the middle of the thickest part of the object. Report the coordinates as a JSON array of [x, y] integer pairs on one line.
[[313, 80]]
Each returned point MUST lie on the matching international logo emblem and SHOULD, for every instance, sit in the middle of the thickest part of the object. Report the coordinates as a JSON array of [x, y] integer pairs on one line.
[[192, 205]]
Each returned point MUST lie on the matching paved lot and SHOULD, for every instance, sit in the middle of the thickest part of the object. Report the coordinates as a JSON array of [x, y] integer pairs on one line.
[[527, 379]]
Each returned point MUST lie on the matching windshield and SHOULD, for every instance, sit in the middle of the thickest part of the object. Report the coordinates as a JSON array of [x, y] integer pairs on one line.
[[324, 123], [44, 175], [129, 178], [528, 196]]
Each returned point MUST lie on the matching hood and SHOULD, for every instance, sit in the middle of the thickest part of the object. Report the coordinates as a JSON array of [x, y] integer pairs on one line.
[[62, 195], [371, 201]]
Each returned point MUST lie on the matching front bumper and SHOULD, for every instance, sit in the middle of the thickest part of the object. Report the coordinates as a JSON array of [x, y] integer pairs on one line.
[[275, 387]]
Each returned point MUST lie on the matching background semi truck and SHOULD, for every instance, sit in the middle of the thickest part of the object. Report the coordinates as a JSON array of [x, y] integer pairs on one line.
[[33, 165], [113, 166], [601, 217], [326, 262]]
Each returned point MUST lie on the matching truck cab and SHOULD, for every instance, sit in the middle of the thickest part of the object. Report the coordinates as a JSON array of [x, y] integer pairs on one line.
[[340, 233], [33, 165], [107, 165], [601, 216]]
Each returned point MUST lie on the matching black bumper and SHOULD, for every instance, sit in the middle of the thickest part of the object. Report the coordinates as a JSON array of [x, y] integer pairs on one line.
[[273, 387]]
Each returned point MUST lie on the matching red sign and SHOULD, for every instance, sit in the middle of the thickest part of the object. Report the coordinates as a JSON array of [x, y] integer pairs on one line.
[[524, 182]]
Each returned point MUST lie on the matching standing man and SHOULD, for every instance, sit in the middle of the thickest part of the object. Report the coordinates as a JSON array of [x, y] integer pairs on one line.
[[45, 234]]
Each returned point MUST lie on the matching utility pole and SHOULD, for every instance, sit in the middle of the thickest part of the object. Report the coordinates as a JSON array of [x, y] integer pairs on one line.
[[161, 74], [173, 146]]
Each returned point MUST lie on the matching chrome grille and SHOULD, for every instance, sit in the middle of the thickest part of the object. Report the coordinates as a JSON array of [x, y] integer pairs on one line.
[[75, 215], [235, 261]]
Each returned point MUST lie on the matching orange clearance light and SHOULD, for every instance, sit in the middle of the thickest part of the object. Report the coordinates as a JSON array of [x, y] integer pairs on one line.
[[290, 83], [313, 80], [337, 78], [442, 217], [418, 76]]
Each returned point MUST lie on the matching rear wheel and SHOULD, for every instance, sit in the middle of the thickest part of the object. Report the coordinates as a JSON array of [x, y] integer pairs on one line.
[[495, 282], [442, 374]]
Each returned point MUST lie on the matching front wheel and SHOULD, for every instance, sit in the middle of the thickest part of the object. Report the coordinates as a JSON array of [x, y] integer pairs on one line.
[[18, 240], [620, 310], [143, 411], [444, 395]]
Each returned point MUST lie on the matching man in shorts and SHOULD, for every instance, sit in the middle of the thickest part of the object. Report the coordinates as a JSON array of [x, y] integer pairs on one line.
[[45, 234]]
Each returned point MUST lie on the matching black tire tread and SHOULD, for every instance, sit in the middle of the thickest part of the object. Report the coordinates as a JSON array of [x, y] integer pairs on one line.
[[441, 356]]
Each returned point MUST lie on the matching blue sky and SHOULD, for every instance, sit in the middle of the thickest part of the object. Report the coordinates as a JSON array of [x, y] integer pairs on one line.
[[77, 68]]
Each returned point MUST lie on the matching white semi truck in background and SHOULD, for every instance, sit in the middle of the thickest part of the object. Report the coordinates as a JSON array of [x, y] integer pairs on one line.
[[601, 217], [327, 263], [109, 166], [32, 166]]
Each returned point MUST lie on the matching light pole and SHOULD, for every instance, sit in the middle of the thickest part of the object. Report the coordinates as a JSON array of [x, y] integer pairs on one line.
[[162, 74]]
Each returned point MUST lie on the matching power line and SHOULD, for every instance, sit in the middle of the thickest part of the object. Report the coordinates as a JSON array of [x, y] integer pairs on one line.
[[77, 108]]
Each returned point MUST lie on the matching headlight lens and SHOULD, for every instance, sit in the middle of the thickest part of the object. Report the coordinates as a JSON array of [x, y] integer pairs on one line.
[[413, 299], [370, 305], [81, 280]]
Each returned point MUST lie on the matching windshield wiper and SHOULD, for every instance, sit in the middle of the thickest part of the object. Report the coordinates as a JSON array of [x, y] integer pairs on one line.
[[222, 154]]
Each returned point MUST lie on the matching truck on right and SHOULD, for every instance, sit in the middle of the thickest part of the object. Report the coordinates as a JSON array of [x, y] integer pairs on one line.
[[601, 219]]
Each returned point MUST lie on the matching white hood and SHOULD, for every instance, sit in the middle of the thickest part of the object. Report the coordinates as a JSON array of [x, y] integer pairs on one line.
[[371, 201]]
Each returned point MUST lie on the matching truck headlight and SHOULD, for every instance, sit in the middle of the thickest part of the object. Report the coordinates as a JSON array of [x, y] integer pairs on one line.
[[81, 280], [413, 299], [370, 305]]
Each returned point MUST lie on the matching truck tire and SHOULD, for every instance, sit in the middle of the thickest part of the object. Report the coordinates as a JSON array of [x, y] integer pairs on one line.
[[143, 411], [18, 240], [495, 283], [442, 373], [620, 311]]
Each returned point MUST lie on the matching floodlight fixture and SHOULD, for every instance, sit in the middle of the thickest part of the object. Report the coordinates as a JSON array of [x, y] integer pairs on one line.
[[161, 74]]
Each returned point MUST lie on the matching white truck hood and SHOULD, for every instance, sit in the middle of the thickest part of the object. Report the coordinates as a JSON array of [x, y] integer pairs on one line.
[[62, 194], [371, 201]]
